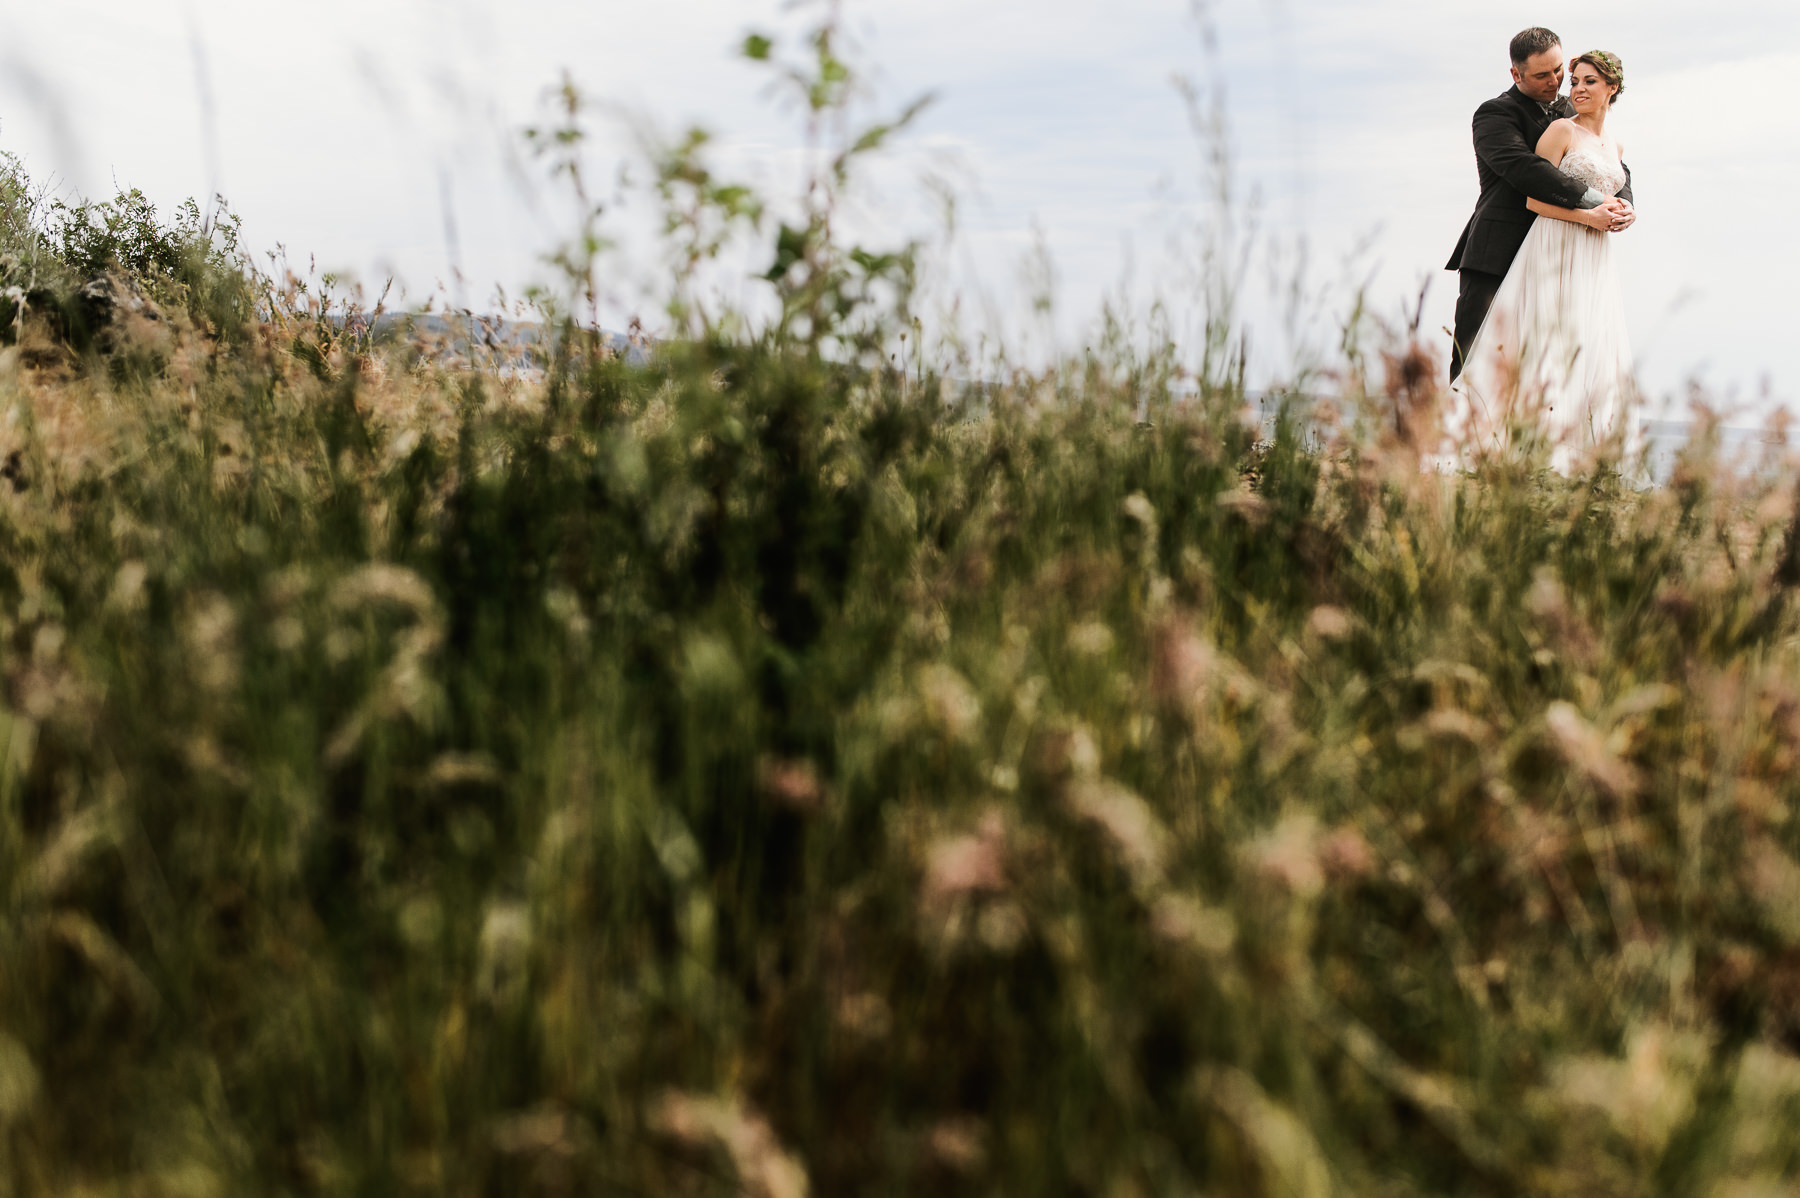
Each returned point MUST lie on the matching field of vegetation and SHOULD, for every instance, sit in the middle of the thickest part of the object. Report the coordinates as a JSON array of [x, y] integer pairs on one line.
[[771, 771]]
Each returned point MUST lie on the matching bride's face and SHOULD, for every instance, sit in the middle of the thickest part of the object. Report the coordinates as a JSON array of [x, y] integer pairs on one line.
[[1588, 92]]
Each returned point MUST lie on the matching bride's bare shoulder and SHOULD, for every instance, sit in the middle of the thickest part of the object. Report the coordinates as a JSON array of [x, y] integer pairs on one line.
[[1556, 139]]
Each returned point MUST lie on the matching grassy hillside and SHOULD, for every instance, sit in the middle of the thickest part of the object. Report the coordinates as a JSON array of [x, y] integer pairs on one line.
[[756, 772]]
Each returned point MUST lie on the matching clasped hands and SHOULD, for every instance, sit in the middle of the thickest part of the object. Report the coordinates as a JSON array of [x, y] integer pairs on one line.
[[1613, 216]]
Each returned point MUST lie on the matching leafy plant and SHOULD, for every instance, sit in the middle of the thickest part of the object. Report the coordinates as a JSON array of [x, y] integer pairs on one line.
[[834, 295]]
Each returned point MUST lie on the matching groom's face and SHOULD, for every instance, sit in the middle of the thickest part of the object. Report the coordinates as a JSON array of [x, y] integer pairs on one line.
[[1541, 75]]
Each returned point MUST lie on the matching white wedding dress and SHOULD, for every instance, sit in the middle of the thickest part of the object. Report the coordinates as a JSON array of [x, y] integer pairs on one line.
[[1554, 352]]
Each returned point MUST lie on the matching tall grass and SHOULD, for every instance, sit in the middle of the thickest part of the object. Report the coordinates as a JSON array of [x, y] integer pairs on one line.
[[763, 771]]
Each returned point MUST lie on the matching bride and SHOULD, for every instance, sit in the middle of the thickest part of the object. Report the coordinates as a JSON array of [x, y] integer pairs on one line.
[[1553, 352]]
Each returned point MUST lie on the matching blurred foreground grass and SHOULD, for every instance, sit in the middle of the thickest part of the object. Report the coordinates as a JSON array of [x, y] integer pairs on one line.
[[754, 774]]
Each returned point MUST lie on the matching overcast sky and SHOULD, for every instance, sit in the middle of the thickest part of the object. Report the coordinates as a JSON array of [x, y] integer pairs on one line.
[[349, 131]]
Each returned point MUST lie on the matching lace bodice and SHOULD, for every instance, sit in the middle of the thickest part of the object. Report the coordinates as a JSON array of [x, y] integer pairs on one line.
[[1595, 166]]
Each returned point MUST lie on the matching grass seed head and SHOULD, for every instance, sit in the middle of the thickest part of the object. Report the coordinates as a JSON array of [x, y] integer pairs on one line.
[[764, 1168], [969, 864], [1584, 748], [1289, 855]]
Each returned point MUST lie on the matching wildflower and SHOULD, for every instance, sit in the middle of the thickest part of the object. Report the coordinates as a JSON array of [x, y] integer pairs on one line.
[[207, 758], [505, 945], [1449, 723], [958, 1143], [1328, 623], [94, 946], [288, 585], [1345, 854], [546, 1131], [1280, 1140], [794, 785], [865, 1016], [1091, 639], [1063, 754], [383, 582], [77, 841], [971, 864], [764, 1168], [1645, 699], [1648, 1094], [1773, 880], [420, 921], [564, 606], [19, 1081], [1766, 1078], [711, 666], [1002, 926], [1411, 388], [1180, 920], [42, 690], [1289, 855], [1187, 667], [128, 587], [1586, 750], [950, 702], [1134, 832], [1549, 602], [462, 769], [1184, 662], [1545, 599]]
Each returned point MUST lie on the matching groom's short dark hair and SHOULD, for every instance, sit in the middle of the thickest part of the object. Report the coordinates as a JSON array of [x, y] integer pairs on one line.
[[1532, 41]]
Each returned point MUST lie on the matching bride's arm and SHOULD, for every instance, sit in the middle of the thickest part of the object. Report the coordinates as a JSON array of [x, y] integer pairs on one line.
[[1593, 218]]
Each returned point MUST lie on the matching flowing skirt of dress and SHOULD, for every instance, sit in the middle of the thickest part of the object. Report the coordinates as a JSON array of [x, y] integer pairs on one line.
[[1553, 354]]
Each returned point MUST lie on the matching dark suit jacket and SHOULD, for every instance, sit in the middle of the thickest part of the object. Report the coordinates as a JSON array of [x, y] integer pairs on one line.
[[1507, 129]]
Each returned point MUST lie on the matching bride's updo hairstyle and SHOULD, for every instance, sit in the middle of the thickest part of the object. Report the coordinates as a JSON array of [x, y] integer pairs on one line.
[[1608, 67]]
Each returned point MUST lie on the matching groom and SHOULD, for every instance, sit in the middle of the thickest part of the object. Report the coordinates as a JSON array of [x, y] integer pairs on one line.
[[1507, 129]]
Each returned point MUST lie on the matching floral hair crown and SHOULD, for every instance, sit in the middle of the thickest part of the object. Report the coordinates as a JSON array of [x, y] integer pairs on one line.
[[1609, 63]]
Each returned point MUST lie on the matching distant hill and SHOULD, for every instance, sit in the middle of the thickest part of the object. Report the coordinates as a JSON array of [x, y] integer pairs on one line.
[[470, 337]]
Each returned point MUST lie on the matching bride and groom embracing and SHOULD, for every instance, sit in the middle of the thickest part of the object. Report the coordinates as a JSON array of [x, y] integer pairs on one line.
[[1540, 336]]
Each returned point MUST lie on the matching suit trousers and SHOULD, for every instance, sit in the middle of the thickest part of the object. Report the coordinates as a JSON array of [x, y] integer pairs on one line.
[[1473, 300]]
